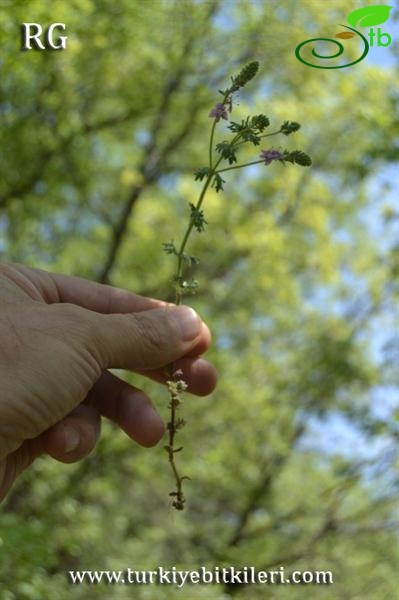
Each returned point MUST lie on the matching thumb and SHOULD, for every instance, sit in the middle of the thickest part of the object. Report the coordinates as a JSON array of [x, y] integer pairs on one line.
[[146, 340]]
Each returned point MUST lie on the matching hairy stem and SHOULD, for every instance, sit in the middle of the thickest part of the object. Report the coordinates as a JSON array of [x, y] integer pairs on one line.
[[254, 162], [176, 385], [174, 391]]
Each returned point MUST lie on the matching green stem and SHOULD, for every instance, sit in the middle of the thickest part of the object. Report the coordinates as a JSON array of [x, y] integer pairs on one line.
[[211, 143], [213, 131], [179, 500], [254, 162], [183, 244], [262, 136], [174, 400]]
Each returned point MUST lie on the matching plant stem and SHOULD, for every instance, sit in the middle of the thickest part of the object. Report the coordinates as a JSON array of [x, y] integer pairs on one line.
[[179, 499], [173, 382], [254, 162], [180, 253], [264, 135], [211, 143]]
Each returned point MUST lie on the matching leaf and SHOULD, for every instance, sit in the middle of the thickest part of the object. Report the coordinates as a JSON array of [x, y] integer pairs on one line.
[[345, 35], [218, 182], [201, 173], [191, 260], [170, 248], [369, 15]]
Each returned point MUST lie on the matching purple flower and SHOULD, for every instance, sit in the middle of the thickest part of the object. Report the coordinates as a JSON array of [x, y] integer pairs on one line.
[[218, 112], [269, 155]]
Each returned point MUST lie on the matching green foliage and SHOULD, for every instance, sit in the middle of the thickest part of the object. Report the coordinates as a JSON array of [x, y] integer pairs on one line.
[[298, 157], [290, 127], [218, 182], [101, 141], [227, 151], [197, 218]]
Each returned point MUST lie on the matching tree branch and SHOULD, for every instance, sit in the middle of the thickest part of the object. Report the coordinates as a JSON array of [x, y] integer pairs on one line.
[[260, 490], [24, 187], [154, 157]]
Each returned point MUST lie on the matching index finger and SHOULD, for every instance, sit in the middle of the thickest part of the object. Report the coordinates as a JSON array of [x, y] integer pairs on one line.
[[98, 297]]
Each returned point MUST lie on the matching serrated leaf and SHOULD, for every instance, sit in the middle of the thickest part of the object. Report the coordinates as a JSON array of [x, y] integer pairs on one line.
[[345, 35], [201, 173], [191, 260], [169, 248], [369, 15]]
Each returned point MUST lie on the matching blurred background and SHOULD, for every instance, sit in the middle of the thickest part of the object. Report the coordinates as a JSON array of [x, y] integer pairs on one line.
[[293, 459]]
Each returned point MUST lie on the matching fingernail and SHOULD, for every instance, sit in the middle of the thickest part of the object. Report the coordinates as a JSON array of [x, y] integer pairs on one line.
[[71, 439], [189, 322]]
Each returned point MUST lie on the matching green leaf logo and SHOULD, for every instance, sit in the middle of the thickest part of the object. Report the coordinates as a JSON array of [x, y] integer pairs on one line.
[[369, 15]]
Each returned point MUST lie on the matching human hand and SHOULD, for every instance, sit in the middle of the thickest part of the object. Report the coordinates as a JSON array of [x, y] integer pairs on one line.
[[58, 336]]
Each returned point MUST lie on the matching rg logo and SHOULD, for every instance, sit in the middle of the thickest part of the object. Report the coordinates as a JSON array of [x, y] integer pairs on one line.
[[31, 37]]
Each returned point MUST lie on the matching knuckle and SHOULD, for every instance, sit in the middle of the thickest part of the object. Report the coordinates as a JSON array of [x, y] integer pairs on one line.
[[72, 321], [68, 310], [154, 334], [69, 314]]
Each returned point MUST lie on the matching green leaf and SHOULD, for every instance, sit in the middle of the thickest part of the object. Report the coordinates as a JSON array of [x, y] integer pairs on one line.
[[169, 248], [218, 182], [237, 127], [369, 15], [197, 218], [227, 151], [199, 174], [191, 260]]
